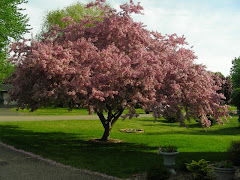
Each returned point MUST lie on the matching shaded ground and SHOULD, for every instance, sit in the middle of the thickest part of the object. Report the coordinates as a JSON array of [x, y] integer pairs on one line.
[[20, 165]]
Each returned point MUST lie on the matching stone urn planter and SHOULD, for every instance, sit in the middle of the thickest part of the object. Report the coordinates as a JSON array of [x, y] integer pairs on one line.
[[169, 160], [224, 171], [169, 153]]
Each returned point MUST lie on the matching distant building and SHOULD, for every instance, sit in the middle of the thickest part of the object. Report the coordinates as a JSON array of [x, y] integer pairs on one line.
[[4, 88]]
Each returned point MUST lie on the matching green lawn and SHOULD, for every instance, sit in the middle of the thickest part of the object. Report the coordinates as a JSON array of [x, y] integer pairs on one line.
[[63, 111], [75, 111], [233, 108], [66, 142]]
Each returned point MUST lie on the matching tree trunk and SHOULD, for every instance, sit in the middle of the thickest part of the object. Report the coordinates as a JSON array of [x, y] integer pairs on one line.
[[107, 130], [109, 122]]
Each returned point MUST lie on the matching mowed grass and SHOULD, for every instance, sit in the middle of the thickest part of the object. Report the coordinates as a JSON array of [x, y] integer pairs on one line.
[[67, 142], [75, 111], [63, 111]]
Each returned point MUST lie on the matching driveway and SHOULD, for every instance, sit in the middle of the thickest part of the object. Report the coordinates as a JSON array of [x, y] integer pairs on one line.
[[20, 165]]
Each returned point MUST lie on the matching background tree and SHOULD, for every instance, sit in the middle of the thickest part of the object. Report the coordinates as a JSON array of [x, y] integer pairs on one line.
[[13, 25], [236, 100], [113, 65], [235, 73], [235, 77], [6, 68], [76, 11]]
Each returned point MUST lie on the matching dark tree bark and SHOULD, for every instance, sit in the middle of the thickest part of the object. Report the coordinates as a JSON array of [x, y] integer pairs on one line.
[[109, 122]]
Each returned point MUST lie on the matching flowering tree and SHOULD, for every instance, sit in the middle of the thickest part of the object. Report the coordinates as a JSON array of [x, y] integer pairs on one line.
[[112, 65]]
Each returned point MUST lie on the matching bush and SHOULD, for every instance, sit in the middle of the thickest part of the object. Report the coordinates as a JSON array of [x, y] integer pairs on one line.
[[170, 116], [200, 169], [159, 172], [171, 119], [234, 153]]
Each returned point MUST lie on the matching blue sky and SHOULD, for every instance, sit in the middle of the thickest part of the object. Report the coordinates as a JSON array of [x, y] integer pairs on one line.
[[212, 27]]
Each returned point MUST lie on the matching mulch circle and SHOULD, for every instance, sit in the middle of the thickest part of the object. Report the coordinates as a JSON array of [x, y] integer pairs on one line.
[[132, 130]]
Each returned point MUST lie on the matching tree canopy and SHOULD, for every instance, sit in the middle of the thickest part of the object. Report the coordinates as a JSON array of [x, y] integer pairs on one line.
[[114, 65], [13, 24], [76, 11], [235, 77], [6, 68], [235, 72]]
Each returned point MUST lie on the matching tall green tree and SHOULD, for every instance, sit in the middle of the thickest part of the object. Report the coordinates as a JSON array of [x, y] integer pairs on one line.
[[13, 24], [6, 68], [76, 11], [235, 77], [235, 72]]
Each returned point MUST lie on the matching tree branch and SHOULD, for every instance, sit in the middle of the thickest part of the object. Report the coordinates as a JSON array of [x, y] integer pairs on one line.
[[116, 116], [110, 115], [102, 118]]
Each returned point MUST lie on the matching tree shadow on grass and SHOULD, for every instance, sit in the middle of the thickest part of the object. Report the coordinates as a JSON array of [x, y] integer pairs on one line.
[[121, 159]]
